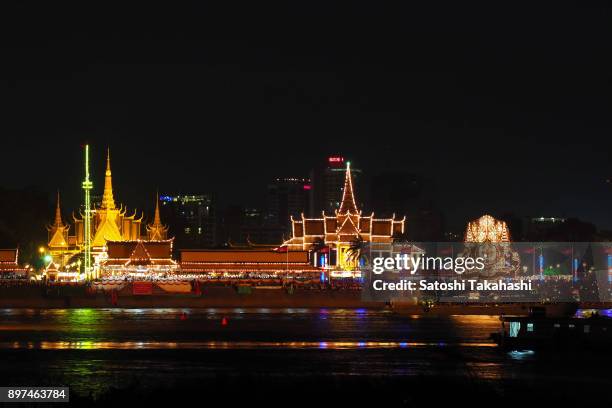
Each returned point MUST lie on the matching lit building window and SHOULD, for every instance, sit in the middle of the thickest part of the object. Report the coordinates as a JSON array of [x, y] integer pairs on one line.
[[529, 327], [515, 327]]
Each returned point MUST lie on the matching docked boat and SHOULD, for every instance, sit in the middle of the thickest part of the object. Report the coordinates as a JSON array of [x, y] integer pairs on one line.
[[538, 332]]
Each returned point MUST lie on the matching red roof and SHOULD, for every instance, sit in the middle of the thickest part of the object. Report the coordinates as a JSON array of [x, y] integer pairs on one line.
[[139, 253], [126, 249], [242, 256], [197, 267], [8, 255], [8, 261]]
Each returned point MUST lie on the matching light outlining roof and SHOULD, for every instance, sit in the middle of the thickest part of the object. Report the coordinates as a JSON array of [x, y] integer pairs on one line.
[[108, 202], [344, 227], [157, 231], [348, 205], [58, 230], [487, 229], [58, 213]]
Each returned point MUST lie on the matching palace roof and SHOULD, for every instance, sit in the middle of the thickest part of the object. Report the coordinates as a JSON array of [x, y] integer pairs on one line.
[[346, 225], [8, 261], [58, 231], [8, 255], [157, 231], [239, 261], [110, 222], [139, 253]]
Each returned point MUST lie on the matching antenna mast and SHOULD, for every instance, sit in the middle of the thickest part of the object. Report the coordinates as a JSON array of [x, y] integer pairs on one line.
[[87, 186]]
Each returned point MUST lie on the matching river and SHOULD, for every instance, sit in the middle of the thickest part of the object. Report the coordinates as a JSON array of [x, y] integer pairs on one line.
[[106, 354]]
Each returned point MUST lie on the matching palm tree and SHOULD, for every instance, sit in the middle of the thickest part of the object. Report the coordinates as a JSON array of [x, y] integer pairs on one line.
[[400, 237], [354, 251]]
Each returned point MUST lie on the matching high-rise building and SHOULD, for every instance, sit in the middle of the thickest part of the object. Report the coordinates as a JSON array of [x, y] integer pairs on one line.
[[191, 219], [287, 197], [396, 192], [249, 225], [327, 184], [559, 229], [400, 192]]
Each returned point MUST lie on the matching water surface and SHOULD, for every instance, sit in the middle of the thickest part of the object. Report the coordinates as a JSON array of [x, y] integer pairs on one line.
[[95, 351]]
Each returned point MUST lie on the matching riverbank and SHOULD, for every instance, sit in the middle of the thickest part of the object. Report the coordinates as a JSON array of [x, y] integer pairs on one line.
[[256, 297]]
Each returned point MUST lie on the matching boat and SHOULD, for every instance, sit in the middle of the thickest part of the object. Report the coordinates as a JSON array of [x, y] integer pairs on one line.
[[540, 332]]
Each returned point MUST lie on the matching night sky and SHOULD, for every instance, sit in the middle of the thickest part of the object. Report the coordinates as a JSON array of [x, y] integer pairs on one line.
[[503, 106]]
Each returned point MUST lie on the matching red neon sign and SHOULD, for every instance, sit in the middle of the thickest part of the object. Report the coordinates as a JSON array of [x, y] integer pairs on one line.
[[335, 159]]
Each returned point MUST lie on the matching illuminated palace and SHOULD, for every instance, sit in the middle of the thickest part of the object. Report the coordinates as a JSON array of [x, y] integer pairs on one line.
[[501, 260], [110, 223], [487, 229], [141, 258], [337, 236]]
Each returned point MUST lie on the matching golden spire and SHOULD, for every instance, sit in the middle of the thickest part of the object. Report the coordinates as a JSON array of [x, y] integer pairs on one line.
[[348, 204], [108, 202], [157, 219], [157, 231], [58, 213], [58, 232]]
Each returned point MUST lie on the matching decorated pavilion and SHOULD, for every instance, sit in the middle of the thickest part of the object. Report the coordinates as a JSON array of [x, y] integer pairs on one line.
[[487, 229], [489, 238], [61, 246], [9, 266], [337, 236], [112, 223], [139, 258], [262, 262], [109, 223]]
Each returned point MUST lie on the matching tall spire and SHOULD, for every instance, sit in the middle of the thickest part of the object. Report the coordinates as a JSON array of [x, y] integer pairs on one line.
[[348, 204], [58, 213], [58, 232], [157, 219], [157, 231], [108, 202]]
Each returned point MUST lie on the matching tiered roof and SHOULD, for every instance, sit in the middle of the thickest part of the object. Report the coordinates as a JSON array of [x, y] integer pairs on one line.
[[346, 225], [9, 261], [58, 231], [139, 252], [157, 230], [107, 229]]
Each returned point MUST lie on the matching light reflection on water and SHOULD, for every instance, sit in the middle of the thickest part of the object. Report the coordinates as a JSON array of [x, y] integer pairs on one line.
[[521, 354], [233, 345], [153, 346], [237, 328]]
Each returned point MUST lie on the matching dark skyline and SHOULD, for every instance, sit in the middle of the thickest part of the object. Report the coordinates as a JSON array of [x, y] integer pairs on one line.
[[504, 109]]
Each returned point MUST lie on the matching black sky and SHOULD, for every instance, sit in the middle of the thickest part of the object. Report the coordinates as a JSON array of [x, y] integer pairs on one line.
[[504, 106]]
